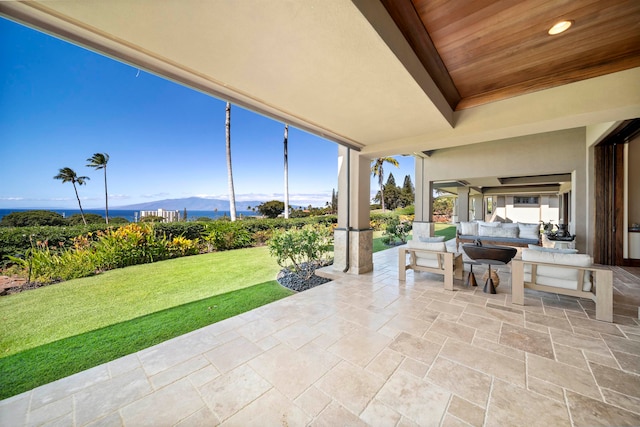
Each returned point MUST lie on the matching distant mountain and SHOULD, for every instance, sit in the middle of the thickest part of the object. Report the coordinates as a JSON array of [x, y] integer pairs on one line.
[[190, 203]]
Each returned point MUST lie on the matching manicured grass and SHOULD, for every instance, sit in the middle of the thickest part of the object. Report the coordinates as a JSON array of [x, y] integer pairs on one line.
[[446, 230], [31, 319], [377, 242], [40, 365]]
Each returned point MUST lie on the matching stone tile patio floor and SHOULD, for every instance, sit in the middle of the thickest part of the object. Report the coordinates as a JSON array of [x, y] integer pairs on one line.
[[370, 350]]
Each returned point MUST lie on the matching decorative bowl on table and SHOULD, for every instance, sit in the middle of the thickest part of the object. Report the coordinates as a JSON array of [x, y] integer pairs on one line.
[[503, 254]]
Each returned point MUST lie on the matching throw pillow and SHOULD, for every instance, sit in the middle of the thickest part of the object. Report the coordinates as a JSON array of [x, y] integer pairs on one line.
[[529, 231], [469, 228]]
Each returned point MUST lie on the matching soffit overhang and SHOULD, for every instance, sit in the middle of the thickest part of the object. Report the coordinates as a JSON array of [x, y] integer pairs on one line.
[[317, 64], [337, 68]]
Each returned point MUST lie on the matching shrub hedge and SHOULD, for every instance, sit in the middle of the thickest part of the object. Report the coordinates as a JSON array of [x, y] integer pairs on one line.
[[218, 234], [15, 241]]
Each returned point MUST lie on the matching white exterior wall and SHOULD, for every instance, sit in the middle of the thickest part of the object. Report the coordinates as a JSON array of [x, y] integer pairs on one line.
[[547, 210], [526, 214], [550, 209]]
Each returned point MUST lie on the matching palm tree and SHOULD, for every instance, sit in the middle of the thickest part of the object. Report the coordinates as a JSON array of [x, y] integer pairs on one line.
[[232, 194], [286, 171], [99, 161], [377, 170], [69, 175]]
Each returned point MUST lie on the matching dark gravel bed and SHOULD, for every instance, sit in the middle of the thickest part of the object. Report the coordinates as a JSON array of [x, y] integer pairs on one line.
[[290, 279]]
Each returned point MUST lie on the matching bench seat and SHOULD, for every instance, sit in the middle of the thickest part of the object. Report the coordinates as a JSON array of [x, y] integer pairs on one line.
[[565, 274], [430, 258]]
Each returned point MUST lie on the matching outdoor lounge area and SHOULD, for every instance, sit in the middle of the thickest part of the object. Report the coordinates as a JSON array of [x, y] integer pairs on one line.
[[492, 105], [371, 350]]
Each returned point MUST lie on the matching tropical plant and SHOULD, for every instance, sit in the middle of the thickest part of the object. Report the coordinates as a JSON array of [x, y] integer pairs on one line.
[[443, 205], [91, 218], [31, 218], [69, 175], [232, 194], [377, 170], [397, 228], [286, 171], [99, 161], [334, 201], [302, 250], [392, 193], [131, 244], [271, 209], [407, 193], [225, 235]]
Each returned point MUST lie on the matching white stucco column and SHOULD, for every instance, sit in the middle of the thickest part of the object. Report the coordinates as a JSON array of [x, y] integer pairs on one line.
[[463, 204], [454, 215], [353, 243], [477, 202], [423, 222]]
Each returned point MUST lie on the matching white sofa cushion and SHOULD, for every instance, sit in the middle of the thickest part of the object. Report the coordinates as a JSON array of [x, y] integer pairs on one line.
[[498, 231], [529, 231], [560, 277], [426, 259], [489, 224], [431, 239], [469, 228], [553, 250], [510, 225]]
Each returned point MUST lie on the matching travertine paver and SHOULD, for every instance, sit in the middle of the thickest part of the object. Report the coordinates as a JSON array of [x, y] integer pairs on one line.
[[371, 350]]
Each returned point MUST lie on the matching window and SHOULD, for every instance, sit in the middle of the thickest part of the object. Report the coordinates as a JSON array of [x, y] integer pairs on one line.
[[526, 200], [490, 206]]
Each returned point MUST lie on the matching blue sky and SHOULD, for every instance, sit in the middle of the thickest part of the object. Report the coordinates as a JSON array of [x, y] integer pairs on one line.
[[60, 103]]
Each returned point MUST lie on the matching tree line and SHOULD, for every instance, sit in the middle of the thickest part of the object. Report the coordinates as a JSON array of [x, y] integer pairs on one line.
[[98, 161], [389, 196]]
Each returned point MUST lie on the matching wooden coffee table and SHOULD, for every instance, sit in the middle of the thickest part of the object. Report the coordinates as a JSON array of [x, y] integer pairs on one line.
[[490, 255]]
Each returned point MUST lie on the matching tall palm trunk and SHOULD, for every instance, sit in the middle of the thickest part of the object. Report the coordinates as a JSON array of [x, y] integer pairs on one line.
[[106, 196], [232, 195], [79, 204], [381, 184], [286, 171]]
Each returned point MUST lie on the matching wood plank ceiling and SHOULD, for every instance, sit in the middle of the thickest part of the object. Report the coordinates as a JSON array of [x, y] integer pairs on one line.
[[479, 51]]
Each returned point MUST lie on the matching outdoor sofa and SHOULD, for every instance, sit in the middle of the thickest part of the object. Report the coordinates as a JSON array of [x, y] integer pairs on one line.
[[499, 233], [562, 271]]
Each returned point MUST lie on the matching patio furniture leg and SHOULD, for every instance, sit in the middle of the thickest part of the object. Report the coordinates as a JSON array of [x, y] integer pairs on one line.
[[604, 295], [448, 271], [458, 268], [489, 288], [517, 282], [471, 278], [402, 264]]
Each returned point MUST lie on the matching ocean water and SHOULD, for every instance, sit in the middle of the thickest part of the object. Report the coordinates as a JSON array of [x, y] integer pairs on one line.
[[130, 215]]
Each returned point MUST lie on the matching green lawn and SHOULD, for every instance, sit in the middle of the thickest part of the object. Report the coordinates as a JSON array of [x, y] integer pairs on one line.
[[55, 331], [446, 230], [54, 312]]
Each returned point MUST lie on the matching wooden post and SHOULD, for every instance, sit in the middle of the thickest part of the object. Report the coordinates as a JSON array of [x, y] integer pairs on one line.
[[517, 281], [604, 295]]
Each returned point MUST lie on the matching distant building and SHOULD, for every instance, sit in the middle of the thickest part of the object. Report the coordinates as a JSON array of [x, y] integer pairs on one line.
[[167, 216]]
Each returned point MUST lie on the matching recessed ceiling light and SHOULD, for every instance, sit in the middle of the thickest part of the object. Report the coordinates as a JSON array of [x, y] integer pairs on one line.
[[560, 27]]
